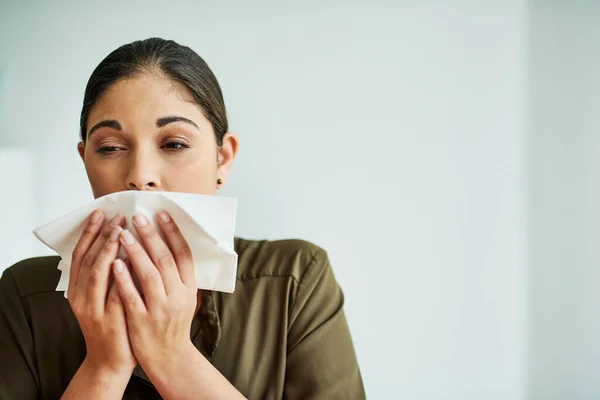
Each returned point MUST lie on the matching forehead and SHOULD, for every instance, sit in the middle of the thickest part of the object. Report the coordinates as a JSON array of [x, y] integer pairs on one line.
[[142, 97]]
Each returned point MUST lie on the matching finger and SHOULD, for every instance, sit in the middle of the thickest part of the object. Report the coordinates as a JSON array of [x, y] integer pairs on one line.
[[159, 253], [98, 277], [113, 299], [87, 238], [151, 282], [136, 281], [179, 248], [90, 257], [129, 295]]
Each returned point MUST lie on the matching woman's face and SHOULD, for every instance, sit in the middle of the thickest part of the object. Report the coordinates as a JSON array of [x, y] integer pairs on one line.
[[143, 134]]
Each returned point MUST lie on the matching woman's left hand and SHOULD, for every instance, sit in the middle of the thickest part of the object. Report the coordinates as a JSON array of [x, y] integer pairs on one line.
[[160, 317]]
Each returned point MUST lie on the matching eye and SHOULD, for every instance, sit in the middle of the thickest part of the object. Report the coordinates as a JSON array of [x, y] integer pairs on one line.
[[175, 146], [108, 149]]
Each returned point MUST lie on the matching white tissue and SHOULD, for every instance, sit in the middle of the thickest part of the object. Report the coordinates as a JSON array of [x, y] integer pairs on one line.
[[206, 222]]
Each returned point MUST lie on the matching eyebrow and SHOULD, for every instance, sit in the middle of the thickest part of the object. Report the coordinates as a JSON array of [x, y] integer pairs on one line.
[[114, 124], [174, 118], [110, 123]]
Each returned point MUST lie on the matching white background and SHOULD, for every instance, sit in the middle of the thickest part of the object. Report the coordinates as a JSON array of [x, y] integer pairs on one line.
[[444, 153]]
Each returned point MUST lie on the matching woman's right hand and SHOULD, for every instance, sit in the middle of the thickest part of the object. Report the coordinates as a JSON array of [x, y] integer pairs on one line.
[[94, 298]]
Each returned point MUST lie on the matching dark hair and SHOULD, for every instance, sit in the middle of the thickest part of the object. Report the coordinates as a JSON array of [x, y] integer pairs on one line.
[[176, 62]]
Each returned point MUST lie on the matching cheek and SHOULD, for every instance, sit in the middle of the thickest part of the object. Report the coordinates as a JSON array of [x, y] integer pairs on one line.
[[104, 177], [196, 174]]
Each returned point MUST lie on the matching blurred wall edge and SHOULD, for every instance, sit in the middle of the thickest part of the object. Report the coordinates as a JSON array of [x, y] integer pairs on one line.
[[564, 212]]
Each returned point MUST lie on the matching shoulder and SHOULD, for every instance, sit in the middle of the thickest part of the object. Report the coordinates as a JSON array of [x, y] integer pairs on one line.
[[33, 275], [267, 258]]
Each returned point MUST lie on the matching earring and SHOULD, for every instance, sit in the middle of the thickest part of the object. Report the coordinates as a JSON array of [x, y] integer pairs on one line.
[[219, 181]]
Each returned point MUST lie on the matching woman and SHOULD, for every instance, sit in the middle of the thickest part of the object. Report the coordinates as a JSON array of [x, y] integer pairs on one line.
[[153, 118]]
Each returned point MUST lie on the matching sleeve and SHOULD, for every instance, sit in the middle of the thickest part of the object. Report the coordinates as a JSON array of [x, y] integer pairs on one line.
[[321, 362], [17, 365]]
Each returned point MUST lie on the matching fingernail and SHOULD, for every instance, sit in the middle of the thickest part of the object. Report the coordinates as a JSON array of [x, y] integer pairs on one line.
[[119, 266], [114, 235], [95, 217], [116, 220], [164, 216], [140, 220], [127, 237]]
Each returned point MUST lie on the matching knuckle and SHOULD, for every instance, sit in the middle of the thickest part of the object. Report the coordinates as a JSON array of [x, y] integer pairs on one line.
[[170, 227], [106, 230], [77, 310], [185, 251], [114, 298], [94, 318], [95, 277], [80, 308], [130, 299], [150, 277], [73, 301], [108, 246], [87, 260], [88, 230], [165, 261], [78, 254], [150, 233]]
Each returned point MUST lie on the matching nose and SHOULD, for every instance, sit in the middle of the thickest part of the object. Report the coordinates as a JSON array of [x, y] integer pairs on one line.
[[143, 173]]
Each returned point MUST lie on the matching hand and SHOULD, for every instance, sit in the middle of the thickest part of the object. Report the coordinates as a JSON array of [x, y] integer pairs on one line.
[[159, 322], [95, 301]]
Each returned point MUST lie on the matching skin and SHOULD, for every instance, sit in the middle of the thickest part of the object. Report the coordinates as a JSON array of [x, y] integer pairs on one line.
[[148, 321]]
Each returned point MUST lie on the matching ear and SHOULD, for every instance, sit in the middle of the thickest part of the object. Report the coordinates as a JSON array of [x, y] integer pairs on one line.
[[81, 150], [226, 155]]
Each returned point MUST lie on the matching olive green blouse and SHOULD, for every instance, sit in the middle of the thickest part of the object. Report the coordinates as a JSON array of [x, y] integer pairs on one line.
[[282, 334]]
